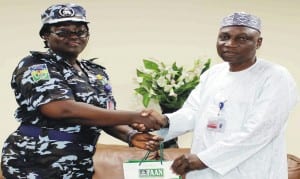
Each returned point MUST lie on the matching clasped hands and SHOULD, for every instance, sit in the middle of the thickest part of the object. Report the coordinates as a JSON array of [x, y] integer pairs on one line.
[[146, 121], [149, 120]]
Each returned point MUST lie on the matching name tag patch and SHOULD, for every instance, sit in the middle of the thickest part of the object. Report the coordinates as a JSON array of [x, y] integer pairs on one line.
[[216, 124]]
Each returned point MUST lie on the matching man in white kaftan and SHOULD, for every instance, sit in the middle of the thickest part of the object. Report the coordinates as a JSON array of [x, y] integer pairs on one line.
[[257, 102], [238, 112]]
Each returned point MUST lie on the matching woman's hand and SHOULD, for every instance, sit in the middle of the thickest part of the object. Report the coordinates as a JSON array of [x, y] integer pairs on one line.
[[146, 141]]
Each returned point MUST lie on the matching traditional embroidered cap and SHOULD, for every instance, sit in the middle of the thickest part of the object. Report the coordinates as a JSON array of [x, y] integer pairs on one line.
[[61, 13], [242, 19]]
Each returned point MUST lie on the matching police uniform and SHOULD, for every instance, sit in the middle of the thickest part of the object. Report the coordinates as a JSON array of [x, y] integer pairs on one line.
[[47, 148]]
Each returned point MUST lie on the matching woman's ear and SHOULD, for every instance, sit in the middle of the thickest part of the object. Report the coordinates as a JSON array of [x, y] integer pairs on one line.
[[45, 37]]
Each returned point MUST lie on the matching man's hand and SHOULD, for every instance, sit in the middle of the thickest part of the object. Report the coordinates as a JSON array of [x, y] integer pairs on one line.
[[146, 141], [186, 163], [155, 117]]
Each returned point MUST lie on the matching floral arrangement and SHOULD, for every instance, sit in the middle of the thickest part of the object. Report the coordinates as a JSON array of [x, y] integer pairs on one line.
[[168, 85]]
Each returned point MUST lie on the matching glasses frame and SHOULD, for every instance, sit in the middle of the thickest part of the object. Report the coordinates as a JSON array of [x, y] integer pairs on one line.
[[68, 34]]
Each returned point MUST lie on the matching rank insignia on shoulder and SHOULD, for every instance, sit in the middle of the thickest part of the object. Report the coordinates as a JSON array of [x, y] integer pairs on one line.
[[39, 72]]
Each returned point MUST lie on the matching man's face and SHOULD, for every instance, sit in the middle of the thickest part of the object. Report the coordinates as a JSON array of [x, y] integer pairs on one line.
[[237, 45], [67, 39]]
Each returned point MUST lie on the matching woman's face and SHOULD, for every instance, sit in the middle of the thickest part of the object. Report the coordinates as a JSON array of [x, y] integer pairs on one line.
[[67, 39]]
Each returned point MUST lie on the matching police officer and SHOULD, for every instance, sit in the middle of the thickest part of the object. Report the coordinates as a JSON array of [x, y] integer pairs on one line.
[[64, 104]]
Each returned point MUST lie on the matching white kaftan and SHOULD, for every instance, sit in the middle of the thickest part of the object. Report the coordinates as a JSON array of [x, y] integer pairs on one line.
[[257, 102]]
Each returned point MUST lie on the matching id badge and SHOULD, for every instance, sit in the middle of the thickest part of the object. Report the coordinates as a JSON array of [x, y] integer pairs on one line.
[[216, 124], [110, 104]]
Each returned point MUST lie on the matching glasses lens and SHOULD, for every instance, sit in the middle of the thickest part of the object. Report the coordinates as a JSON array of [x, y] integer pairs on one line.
[[82, 34], [68, 34]]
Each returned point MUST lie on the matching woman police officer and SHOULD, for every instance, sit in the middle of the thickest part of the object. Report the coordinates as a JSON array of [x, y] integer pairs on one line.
[[64, 103]]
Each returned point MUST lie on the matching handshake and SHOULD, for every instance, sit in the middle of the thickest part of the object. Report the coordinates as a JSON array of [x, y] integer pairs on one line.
[[149, 120]]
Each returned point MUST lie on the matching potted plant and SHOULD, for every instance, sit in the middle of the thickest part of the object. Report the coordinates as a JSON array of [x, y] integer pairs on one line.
[[168, 85]]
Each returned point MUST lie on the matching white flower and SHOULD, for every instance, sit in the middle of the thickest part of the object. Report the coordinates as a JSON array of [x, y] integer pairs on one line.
[[139, 79], [173, 82], [167, 88], [179, 84], [153, 74], [189, 77], [172, 72], [161, 67], [152, 93], [172, 93], [154, 85], [181, 78], [168, 77], [161, 81], [164, 83]]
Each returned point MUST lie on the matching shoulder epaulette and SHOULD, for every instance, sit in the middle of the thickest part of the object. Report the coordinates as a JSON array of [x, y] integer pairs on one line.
[[92, 63], [40, 54]]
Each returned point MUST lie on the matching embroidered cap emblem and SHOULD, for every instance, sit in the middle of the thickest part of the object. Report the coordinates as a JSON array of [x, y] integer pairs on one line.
[[66, 12]]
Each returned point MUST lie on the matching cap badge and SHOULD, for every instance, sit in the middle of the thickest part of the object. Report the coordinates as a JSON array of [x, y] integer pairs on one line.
[[66, 12]]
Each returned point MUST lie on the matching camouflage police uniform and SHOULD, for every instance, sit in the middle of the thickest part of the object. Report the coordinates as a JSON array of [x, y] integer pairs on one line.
[[47, 148]]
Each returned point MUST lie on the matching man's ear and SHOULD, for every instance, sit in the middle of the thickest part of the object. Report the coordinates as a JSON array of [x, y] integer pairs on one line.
[[259, 42]]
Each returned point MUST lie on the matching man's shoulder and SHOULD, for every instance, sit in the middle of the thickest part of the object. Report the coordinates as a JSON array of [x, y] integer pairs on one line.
[[271, 66], [219, 67], [270, 70]]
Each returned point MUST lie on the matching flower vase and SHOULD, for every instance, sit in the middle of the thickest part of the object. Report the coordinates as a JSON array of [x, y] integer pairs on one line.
[[173, 143]]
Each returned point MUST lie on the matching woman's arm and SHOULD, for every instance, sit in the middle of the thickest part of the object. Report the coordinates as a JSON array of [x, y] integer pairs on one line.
[[87, 114]]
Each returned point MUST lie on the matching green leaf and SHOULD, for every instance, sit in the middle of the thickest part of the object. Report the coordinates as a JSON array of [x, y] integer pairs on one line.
[[146, 84], [145, 94], [174, 66], [146, 100], [151, 65], [143, 75], [139, 73], [206, 66], [142, 91]]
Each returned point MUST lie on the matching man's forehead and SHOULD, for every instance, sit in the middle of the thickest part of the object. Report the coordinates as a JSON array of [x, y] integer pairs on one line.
[[238, 30]]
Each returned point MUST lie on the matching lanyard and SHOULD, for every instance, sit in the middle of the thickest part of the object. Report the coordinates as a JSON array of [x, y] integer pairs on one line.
[[221, 106]]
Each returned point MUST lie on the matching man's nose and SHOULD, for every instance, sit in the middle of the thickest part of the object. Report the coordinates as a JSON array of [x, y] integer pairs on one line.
[[231, 43]]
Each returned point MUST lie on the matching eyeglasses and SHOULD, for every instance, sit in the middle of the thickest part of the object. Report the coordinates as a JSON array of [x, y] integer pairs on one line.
[[68, 34]]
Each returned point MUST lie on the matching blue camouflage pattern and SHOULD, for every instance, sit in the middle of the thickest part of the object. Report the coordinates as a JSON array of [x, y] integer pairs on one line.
[[64, 12], [39, 79]]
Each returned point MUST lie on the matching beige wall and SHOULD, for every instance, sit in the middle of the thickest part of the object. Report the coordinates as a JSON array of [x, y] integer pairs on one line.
[[123, 32]]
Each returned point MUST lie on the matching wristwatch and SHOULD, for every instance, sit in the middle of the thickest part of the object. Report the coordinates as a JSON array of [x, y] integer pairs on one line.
[[130, 134]]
